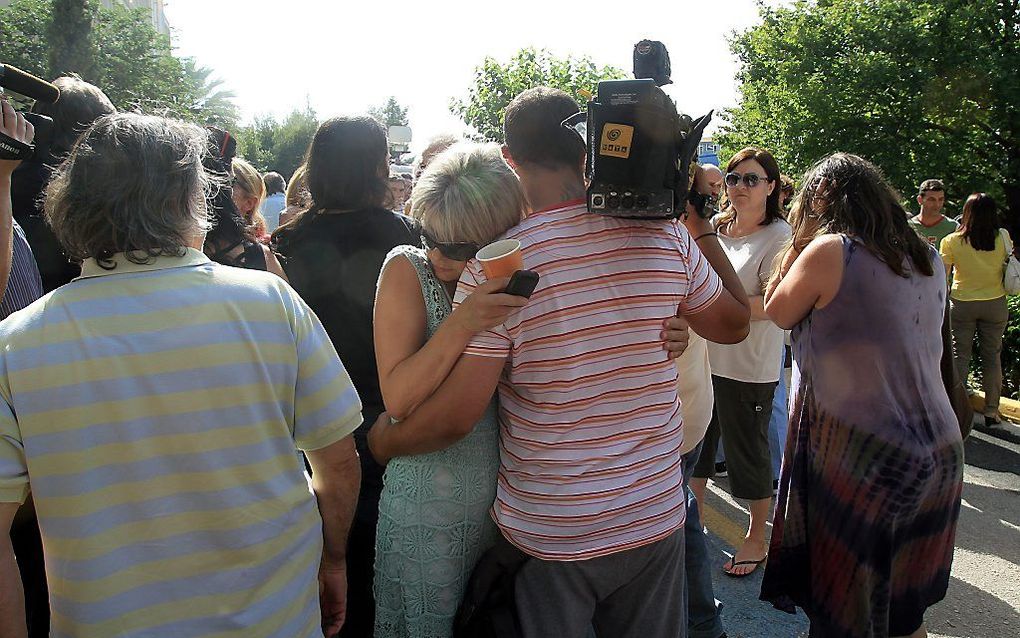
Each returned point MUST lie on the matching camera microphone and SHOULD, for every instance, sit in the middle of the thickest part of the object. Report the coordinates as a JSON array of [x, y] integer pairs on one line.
[[27, 84]]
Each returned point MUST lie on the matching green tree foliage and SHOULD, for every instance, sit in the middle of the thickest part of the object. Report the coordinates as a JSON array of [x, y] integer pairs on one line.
[[496, 84], [70, 39], [134, 63], [921, 88], [274, 145], [213, 102], [23, 41], [390, 113]]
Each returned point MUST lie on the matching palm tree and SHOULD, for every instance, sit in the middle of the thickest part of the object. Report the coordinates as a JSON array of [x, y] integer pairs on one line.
[[213, 103]]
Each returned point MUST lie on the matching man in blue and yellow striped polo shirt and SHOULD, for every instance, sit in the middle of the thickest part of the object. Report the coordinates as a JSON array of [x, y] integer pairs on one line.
[[153, 407]]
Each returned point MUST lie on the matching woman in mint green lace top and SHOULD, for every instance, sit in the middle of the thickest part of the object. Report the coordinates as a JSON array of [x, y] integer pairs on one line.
[[434, 519]]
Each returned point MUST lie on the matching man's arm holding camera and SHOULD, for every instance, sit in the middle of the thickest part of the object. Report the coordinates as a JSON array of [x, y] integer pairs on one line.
[[730, 321], [15, 126]]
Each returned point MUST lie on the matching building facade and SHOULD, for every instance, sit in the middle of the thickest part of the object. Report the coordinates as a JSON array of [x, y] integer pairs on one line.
[[154, 7], [708, 152]]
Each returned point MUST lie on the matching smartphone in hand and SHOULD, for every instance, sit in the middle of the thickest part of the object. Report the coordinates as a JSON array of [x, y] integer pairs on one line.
[[522, 283]]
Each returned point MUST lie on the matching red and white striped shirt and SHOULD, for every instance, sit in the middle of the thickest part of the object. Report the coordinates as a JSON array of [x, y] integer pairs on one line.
[[590, 419]]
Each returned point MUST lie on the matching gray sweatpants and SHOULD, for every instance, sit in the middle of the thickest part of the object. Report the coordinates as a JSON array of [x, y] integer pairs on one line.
[[637, 593]]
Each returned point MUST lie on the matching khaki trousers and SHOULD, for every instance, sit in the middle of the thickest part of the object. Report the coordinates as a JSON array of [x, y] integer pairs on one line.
[[988, 320]]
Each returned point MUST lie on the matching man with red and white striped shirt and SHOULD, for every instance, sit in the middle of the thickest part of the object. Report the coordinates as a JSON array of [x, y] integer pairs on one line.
[[591, 427]]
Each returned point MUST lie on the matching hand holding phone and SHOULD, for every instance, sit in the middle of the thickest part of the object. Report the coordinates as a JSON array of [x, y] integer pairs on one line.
[[522, 283]]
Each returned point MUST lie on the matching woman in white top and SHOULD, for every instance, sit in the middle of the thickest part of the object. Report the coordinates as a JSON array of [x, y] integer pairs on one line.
[[744, 375]]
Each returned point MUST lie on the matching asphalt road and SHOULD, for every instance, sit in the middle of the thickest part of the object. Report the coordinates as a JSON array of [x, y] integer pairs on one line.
[[984, 594]]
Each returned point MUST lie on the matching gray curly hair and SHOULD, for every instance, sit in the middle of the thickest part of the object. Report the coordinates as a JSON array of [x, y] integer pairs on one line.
[[132, 184]]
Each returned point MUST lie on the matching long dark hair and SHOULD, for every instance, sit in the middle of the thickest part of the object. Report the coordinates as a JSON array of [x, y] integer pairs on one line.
[[980, 224], [228, 230], [344, 169], [773, 210], [846, 194]]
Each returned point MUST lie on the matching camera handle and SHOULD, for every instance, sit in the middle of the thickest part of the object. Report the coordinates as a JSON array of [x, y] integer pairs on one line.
[[12, 149]]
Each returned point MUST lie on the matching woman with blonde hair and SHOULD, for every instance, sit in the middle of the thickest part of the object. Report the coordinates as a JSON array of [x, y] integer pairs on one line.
[[296, 197], [869, 497], [433, 513], [249, 193]]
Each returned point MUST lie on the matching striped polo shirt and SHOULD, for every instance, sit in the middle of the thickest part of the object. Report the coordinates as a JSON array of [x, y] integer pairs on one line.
[[591, 426], [155, 410], [24, 284]]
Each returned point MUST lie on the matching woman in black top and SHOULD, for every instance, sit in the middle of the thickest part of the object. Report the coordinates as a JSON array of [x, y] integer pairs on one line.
[[332, 253], [229, 241]]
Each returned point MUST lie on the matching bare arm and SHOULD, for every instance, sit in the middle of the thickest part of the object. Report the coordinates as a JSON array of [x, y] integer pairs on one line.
[[411, 368], [708, 242], [273, 264], [806, 281], [336, 479], [12, 597], [727, 319], [446, 417], [757, 306], [14, 125]]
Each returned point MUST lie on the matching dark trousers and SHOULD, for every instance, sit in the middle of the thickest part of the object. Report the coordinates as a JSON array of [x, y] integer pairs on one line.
[[741, 417], [29, 553], [636, 593], [703, 609], [360, 621]]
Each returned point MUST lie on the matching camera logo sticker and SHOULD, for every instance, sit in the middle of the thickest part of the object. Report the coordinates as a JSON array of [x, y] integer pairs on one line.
[[616, 140]]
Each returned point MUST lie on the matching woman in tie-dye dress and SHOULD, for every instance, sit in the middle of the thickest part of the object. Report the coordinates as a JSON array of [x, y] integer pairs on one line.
[[870, 490]]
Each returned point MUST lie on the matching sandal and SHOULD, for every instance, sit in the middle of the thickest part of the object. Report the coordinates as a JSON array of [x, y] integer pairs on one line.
[[756, 563]]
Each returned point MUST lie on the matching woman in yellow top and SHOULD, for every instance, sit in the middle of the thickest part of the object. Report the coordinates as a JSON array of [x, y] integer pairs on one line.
[[976, 253]]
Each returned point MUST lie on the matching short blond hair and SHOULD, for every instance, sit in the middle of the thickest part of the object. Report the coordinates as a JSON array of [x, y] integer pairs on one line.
[[468, 193]]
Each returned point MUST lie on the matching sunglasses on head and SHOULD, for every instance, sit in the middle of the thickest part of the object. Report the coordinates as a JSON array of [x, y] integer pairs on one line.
[[750, 179], [457, 251]]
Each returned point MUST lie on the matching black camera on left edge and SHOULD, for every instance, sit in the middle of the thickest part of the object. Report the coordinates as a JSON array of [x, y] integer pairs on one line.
[[26, 84]]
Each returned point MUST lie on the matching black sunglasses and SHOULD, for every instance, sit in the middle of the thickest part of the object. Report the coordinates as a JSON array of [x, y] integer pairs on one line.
[[457, 251], [750, 179]]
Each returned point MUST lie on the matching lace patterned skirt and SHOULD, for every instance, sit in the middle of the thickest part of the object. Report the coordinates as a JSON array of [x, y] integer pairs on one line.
[[434, 525]]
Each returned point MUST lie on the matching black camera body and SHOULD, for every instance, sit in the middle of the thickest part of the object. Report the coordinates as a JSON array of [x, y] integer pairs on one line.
[[641, 151], [29, 86]]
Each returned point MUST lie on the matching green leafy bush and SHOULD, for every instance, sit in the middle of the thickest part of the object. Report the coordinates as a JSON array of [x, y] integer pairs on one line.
[[1010, 354]]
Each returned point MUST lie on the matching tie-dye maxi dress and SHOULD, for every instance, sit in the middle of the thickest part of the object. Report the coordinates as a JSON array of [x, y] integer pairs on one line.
[[870, 490]]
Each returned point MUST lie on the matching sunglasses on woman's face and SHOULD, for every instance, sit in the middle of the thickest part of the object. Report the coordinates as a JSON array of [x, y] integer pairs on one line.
[[750, 180], [457, 251]]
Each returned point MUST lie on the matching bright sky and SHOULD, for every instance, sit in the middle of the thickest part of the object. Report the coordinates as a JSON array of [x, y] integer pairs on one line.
[[344, 57]]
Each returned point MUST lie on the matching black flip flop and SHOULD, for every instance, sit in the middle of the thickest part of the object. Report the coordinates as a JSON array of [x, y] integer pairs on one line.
[[756, 563]]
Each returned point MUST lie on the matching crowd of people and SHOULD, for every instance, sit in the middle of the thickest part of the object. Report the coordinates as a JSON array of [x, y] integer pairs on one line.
[[236, 404]]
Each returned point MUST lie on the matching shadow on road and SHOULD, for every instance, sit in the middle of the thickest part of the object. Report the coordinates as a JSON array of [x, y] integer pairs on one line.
[[981, 528], [969, 612], [990, 456]]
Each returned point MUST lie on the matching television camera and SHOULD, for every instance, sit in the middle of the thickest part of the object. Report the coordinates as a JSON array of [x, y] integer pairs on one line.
[[26, 84], [641, 153]]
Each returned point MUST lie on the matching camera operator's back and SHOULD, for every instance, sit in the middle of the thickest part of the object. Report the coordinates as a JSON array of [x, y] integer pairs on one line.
[[589, 405]]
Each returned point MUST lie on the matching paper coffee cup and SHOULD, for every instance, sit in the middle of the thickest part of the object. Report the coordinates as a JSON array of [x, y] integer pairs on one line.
[[501, 259]]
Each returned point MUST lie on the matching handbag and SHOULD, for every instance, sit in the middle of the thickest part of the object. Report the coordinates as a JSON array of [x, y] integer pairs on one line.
[[1011, 271]]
